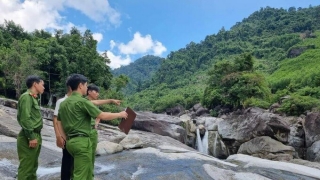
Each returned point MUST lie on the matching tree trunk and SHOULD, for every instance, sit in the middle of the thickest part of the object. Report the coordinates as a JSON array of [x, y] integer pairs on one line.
[[17, 83], [18, 93]]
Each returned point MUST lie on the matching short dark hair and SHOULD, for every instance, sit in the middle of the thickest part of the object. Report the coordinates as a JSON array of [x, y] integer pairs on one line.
[[67, 80], [92, 87], [32, 79], [75, 80]]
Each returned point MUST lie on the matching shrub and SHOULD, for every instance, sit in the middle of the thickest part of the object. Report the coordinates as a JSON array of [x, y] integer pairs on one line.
[[297, 104], [254, 102]]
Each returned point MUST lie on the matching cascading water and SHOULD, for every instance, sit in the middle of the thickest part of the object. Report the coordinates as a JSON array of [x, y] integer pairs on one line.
[[205, 142], [199, 141], [202, 144]]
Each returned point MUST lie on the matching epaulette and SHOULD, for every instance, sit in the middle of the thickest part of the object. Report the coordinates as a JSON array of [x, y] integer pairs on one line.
[[33, 95]]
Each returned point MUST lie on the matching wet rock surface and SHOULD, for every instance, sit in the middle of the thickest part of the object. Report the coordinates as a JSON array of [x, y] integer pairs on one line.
[[148, 156]]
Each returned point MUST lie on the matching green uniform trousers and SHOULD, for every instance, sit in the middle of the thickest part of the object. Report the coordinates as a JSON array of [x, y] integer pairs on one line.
[[94, 141], [28, 157], [81, 150]]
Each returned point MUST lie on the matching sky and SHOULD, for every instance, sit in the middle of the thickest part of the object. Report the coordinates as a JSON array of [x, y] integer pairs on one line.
[[130, 29]]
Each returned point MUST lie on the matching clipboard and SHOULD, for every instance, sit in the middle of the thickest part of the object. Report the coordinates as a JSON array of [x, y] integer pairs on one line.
[[126, 124]]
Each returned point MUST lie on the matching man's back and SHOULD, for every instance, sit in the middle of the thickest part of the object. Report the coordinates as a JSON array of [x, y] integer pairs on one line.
[[75, 115]]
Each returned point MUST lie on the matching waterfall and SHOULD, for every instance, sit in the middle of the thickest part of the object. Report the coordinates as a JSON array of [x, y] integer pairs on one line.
[[202, 144], [205, 142], [199, 142]]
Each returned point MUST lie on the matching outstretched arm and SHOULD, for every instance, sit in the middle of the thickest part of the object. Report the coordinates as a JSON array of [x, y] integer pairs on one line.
[[110, 116], [106, 101]]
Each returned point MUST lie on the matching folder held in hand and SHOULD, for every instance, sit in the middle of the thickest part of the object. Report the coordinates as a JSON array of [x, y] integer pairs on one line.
[[126, 124]]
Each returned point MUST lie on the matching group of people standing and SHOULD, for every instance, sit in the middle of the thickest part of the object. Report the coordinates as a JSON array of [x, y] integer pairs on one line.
[[75, 124]]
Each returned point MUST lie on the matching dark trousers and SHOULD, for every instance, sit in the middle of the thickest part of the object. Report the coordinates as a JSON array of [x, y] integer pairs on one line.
[[66, 165]]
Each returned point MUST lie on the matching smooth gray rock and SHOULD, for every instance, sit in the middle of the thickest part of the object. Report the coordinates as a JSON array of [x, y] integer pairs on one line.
[[160, 124], [216, 146], [311, 127], [240, 127], [267, 148], [106, 148], [313, 152]]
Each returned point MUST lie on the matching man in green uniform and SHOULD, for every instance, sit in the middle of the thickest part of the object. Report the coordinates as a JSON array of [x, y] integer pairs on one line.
[[29, 139], [67, 159], [75, 114], [92, 95]]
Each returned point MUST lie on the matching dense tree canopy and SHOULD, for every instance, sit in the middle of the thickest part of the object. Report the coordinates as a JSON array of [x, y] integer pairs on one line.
[[139, 72], [271, 54], [270, 35], [54, 57]]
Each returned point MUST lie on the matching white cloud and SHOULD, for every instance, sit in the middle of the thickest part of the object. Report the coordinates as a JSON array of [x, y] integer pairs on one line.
[[112, 44], [44, 14], [97, 10], [118, 60], [141, 45], [158, 48], [97, 36], [30, 14]]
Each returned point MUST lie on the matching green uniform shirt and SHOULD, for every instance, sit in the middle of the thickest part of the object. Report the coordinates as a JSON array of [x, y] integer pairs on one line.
[[29, 115], [76, 114], [93, 120]]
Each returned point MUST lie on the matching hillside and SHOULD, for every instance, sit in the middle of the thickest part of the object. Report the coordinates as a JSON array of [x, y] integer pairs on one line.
[[139, 72], [268, 34], [300, 71]]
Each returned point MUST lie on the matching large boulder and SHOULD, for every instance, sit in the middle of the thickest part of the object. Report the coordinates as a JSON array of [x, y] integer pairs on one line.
[[297, 137], [210, 123], [313, 152], [240, 127], [190, 128], [131, 142], [46, 112], [312, 128], [9, 103], [175, 111], [267, 148], [198, 110], [106, 148], [160, 124], [202, 111], [216, 146]]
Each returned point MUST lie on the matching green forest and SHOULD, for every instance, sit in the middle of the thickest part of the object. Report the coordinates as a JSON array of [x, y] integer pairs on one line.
[[139, 73], [53, 57], [271, 54]]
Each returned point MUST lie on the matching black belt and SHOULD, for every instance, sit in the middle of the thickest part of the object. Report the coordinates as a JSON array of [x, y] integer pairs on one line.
[[76, 135]]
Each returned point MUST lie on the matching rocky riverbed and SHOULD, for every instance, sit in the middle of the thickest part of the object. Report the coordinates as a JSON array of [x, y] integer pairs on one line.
[[145, 155]]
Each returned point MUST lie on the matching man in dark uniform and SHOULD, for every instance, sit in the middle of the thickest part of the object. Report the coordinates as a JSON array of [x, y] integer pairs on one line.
[[29, 118], [75, 114]]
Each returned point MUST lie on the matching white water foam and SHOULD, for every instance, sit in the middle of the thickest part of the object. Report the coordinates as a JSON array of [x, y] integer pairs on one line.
[[202, 144], [42, 171], [104, 168], [140, 170]]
